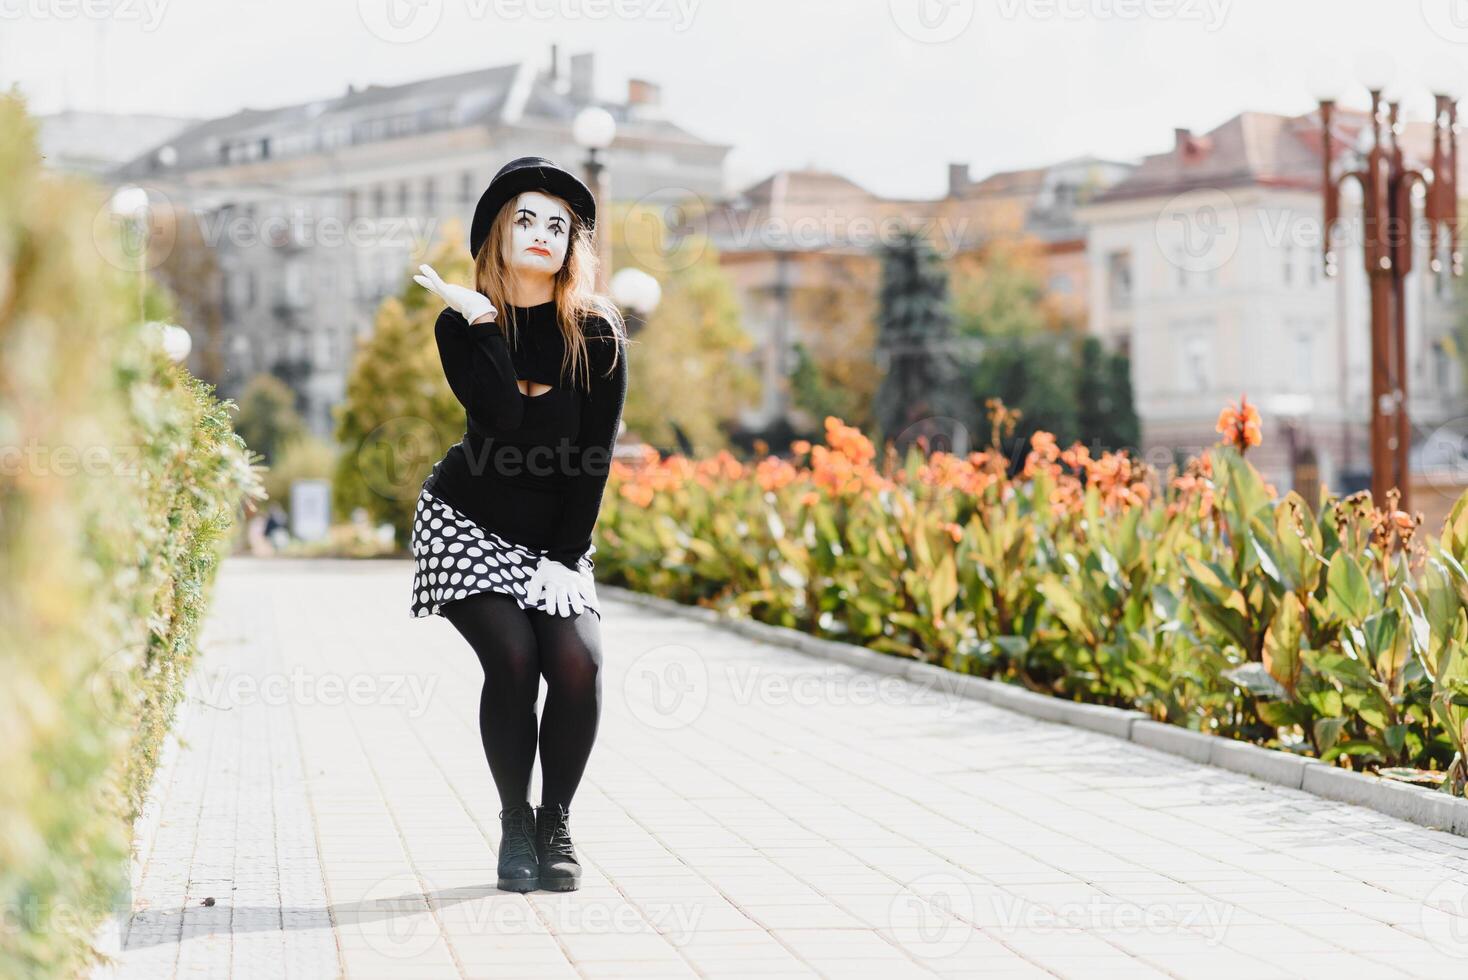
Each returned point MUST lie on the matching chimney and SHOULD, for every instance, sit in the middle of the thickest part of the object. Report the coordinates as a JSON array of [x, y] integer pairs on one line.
[[958, 179], [644, 98], [555, 65], [583, 87], [1190, 148]]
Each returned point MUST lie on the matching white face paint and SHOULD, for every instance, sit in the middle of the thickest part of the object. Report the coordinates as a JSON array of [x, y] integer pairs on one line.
[[540, 234]]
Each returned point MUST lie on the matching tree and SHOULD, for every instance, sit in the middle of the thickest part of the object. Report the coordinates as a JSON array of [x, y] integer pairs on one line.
[[685, 369], [1106, 417], [190, 271], [1060, 381], [1037, 376], [267, 415], [923, 380], [835, 320], [399, 416], [998, 291]]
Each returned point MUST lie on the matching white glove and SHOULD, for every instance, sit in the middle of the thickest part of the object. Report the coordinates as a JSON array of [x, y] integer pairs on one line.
[[562, 589], [471, 304]]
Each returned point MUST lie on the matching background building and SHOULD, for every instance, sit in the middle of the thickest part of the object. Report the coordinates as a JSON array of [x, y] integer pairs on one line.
[[95, 143], [800, 247], [311, 213], [1205, 264]]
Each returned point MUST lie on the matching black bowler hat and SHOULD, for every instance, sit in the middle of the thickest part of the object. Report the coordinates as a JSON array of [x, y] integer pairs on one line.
[[529, 174]]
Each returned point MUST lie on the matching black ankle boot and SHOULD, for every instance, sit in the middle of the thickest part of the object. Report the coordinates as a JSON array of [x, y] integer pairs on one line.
[[519, 868], [559, 869]]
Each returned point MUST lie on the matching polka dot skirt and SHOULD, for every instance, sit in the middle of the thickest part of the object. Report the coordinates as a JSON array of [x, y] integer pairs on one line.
[[456, 557]]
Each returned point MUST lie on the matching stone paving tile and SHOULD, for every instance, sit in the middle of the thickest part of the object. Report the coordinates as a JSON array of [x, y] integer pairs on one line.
[[748, 811]]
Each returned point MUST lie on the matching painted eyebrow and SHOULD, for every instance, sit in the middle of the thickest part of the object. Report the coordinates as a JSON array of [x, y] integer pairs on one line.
[[554, 217]]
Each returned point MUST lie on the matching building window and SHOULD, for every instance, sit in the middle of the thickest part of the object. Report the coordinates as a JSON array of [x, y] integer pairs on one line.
[[1197, 363], [1119, 278], [466, 187], [1304, 378], [352, 205], [430, 195], [403, 198], [379, 201]]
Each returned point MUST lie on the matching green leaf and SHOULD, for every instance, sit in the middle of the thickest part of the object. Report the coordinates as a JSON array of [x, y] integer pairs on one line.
[[1328, 733], [944, 585], [1348, 590], [1282, 643], [1269, 562]]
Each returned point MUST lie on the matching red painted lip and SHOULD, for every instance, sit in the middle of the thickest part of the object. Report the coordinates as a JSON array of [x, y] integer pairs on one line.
[[539, 251]]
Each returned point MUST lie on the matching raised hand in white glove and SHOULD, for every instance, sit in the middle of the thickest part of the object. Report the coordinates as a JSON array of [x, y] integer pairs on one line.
[[562, 589], [469, 303]]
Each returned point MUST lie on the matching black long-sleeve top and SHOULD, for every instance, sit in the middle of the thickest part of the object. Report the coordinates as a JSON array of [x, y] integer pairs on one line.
[[532, 469]]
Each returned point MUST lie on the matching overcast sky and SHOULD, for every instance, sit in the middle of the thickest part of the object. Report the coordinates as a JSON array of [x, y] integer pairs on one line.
[[887, 92]]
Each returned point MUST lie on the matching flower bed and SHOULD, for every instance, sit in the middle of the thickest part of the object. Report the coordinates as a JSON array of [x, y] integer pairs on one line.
[[1205, 599]]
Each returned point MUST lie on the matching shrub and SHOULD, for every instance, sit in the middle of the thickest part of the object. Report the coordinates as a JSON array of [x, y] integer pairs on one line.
[[121, 479], [1205, 600]]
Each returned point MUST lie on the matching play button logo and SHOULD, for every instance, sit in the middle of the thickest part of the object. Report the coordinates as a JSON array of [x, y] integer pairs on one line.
[[400, 21]]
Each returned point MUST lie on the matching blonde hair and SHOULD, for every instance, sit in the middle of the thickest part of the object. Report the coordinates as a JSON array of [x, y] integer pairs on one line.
[[574, 288]]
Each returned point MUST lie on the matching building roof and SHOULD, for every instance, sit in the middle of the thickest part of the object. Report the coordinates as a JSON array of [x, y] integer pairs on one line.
[[499, 95], [1258, 149], [787, 189], [1008, 183], [804, 210], [817, 209]]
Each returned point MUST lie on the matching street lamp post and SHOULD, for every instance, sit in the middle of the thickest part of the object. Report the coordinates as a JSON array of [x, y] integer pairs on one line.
[[594, 129], [638, 294], [1387, 185]]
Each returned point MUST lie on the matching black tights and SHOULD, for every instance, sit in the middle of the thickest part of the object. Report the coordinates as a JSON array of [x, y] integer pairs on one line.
[[515, 647]]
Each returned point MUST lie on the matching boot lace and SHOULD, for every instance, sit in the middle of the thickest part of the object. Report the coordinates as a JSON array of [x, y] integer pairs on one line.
[[555, 835], [517, 837]]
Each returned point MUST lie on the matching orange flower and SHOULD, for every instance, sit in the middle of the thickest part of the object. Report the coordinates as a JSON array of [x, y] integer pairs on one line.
[[1043, 454], [637, 494], [1240, 425], [772, 473]]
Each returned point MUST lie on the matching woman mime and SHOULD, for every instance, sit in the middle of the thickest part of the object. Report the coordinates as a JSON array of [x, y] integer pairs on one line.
[[502, 534]]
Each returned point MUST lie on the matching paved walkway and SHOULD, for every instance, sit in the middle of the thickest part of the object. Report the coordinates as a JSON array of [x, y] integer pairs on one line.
[[748, 811]]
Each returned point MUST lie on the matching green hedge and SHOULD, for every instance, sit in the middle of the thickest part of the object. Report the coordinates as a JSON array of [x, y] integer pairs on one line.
[[121, 479]]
